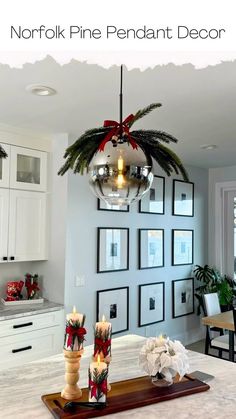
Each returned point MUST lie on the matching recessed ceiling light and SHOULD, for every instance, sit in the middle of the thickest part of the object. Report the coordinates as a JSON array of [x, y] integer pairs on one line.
[[209, 146], [41, 90]]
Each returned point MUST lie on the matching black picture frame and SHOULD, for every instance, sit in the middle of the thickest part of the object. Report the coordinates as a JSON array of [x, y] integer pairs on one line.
[[100, 207], [147, 299], [118, 238], [183, 198], [146, 200], [183, 246], [111, 303], [145, 249], [182, 297]]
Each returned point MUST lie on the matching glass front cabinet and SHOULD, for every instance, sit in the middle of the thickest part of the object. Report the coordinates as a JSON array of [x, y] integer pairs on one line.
[[28, 169]]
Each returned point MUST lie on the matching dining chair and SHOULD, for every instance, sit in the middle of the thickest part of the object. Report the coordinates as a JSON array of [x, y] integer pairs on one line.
[[212, 307], [221, 342]]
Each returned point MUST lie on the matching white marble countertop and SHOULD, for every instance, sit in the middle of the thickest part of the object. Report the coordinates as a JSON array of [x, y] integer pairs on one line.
[[22, 387], [7, 313]]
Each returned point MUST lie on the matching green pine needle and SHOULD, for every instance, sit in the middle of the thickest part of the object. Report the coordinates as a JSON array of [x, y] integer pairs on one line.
[[142, 112], [79, 155]]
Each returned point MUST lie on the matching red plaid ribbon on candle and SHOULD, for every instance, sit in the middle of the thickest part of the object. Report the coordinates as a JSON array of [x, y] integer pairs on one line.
[[102, 346], [100, 387], [75, 331]]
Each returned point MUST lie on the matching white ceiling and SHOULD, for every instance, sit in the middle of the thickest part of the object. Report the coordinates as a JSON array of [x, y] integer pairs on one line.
[[199, 106]]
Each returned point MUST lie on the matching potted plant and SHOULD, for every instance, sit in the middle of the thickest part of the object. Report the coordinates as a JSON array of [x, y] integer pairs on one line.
[[163, 359], [212, 281], [226, 293]]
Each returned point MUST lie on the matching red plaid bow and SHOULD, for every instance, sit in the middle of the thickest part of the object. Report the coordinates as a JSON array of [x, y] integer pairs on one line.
[[101, 387], [117, 128], [75, 331], [102, 346], [31, 288]]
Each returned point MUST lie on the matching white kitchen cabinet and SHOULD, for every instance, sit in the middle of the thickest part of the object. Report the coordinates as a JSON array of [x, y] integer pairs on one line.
[[5, 168], [28, 169], [30, 338], [27, 226], [4, 216], [23, 176], [22, 225]]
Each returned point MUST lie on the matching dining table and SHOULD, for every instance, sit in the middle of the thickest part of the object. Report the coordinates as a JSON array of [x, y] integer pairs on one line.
[[224, 320], [21, 387]]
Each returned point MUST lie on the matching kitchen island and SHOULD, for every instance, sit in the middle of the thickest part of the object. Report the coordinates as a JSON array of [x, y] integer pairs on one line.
[[22, 387]]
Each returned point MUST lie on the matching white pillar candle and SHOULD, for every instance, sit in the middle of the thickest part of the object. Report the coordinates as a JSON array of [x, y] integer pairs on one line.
[[103, 325], [74, 333], [102, 339], [98, 373], [75, 317]]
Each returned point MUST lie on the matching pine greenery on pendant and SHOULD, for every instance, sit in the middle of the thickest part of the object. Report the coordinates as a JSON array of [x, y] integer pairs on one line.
[[3, 154], [79, 155]]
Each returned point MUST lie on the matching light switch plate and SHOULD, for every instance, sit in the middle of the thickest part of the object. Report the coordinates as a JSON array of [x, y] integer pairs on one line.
[[79, 281]]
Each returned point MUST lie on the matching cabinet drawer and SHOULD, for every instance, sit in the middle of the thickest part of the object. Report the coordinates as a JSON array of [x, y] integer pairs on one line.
[[15, 350], [30, 323]]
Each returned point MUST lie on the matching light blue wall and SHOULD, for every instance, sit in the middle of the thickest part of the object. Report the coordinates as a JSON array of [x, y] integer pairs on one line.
[[81, 254]]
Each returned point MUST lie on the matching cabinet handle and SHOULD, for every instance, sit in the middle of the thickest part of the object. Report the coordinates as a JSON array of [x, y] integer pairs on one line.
[[12, 258], [4, 258], [17, 326], [26, 348]]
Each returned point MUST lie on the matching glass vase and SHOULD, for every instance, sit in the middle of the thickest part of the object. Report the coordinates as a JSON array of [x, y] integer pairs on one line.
[[159, 380]]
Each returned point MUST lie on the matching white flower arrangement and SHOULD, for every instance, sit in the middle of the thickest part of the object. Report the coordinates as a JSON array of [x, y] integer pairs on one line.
[[164, 356]]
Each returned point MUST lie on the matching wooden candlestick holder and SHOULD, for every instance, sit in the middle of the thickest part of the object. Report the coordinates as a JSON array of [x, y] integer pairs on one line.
[[72, 364]]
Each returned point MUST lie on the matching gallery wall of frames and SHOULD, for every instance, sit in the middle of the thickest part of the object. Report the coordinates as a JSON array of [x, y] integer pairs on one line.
[[113, 255], [127, 259]]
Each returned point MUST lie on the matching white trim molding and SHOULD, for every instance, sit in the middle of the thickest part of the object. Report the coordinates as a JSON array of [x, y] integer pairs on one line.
[[221, 190], [24, 138]]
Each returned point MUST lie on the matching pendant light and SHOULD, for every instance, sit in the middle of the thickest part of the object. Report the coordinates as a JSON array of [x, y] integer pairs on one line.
[[119, 161], [120, 173]]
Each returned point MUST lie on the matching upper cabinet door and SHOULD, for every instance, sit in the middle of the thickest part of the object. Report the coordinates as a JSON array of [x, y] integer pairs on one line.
[[28, 169], [4, 211], [5, 168], [27, 226]]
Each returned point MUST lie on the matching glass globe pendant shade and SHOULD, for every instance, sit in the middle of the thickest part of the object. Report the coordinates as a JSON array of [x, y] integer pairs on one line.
[[120, 175]]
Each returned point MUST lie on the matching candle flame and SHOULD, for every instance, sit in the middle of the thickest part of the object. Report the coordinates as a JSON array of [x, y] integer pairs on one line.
[[98, 360], [74, 310], [103, 318]]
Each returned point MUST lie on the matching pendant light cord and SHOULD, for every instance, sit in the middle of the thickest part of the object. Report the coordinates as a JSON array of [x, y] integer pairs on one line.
[[121, 98]]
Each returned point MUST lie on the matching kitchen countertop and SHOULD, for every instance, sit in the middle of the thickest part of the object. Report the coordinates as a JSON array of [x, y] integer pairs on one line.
[[22, 387], [7, 313]]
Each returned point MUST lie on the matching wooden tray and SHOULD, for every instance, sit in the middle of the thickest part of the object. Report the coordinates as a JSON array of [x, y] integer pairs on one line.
[[125, 395]]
